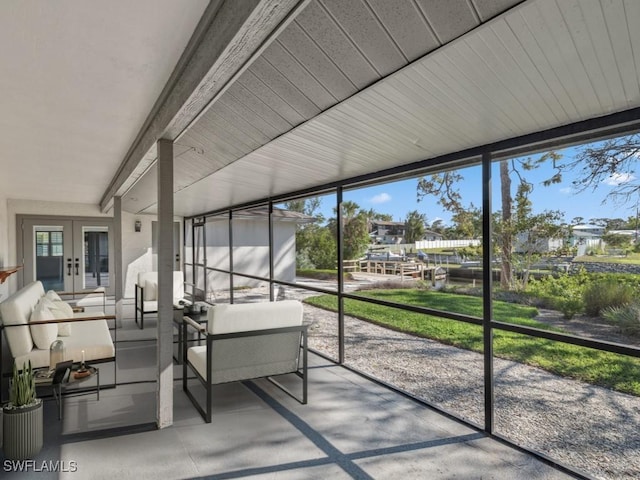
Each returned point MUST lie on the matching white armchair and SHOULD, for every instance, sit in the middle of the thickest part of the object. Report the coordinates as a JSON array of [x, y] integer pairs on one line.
[[146, 297], [247, 341]]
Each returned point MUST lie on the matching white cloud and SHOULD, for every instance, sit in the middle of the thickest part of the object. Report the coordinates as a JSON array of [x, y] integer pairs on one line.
[[566, 190], [381, 198], [619, 178]]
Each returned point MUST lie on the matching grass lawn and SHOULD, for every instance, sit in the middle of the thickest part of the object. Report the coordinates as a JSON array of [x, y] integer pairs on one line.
[[631, 259], [599, 368]]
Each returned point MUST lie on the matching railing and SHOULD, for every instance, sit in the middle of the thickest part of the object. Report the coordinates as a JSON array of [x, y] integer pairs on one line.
[[472, 242], [350, 266], [403, 269]]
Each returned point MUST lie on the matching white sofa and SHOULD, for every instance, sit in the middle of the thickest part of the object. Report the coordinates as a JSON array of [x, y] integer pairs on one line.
[[88, 332], [247, 341], [146, 297]]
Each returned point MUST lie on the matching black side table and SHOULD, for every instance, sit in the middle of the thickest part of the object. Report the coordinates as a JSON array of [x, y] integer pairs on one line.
[[178, 314]]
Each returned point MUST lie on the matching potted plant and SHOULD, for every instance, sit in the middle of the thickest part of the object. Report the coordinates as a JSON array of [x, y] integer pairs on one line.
[[22, 425]]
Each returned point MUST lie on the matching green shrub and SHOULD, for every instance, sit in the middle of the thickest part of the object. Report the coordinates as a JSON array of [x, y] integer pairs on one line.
[[569, 306], [561, 285], [608, 292], [627, 317], [563, 292], [589, 292]]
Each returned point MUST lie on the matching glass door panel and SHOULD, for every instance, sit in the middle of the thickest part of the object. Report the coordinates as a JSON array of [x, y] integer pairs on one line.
[[93, 247], [95, 257], [48, 253]]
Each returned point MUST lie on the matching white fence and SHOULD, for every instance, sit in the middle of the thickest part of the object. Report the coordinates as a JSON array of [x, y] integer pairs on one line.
[[447, 243]]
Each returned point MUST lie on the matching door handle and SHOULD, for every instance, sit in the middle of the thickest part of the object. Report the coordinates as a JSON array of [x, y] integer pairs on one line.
[[77, 267], [68, 267]]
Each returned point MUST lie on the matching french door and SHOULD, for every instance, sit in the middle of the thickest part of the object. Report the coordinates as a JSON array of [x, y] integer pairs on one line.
[[69, 255]]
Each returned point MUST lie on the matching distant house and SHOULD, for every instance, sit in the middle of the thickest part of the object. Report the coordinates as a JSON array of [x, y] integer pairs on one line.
[[431, 236], [387, 233], [392, 233], [586, 235], [588, 230], [526, 243]]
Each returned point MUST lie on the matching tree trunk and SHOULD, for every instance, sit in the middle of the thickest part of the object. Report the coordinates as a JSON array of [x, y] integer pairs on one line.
[[507, 231]]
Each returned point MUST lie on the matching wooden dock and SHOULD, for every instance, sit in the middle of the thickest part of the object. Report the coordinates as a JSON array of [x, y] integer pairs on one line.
[[405, 270]]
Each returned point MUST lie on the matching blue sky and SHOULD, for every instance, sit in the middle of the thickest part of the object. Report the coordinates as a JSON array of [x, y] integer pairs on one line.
[[398, 198]]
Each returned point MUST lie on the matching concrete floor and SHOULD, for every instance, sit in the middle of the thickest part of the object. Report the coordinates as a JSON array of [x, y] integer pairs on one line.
[[351, 428]]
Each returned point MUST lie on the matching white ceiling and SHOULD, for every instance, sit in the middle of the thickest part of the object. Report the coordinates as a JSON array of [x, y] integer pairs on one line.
[[539, 65], [344, 88], [79, 78]]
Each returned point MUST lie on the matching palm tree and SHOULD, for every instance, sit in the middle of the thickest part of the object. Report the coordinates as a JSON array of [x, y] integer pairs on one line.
[[414, 226]]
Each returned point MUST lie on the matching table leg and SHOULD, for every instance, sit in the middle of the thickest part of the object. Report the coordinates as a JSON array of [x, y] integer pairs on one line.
[[57, 394]]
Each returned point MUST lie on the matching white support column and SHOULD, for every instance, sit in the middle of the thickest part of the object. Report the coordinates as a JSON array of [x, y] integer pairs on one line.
[[164, 396], [117, 258]]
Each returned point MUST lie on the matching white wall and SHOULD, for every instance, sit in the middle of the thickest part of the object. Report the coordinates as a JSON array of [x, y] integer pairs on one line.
[[137, 255], [250, 251], [284, 251], [136, 250], [4, 245]]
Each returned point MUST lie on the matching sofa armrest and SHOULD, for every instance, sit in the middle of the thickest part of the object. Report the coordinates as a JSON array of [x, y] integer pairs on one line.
[[67, 320], [83, 292], [189, 322], [87, 293]]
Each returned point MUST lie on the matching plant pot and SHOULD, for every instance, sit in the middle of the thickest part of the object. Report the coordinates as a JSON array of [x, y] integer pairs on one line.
[[22, 432]]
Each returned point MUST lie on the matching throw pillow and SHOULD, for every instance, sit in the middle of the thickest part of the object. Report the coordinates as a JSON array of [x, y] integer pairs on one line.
[[150, 291], [53, 296], [45, 334], [59, 310]]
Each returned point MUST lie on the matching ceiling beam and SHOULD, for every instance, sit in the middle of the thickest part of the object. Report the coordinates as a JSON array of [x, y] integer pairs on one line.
[[224, 43]]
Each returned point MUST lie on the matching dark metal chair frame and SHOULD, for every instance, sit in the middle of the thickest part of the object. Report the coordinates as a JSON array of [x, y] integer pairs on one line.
[[139, 307], [211, 338]]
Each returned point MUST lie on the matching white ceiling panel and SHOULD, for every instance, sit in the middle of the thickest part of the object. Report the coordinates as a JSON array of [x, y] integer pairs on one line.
[[542, 64], [78, 80], [314, 60]]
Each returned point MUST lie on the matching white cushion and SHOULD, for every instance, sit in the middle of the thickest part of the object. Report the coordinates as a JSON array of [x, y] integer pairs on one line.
[[53, 296], [43, 335], [62, 310], [245, 317], [92, 336], [251, 356], [178, 287], [150, 307], [150, 290], [149, 295], [64, 307], [144, 276], [16, 310]]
